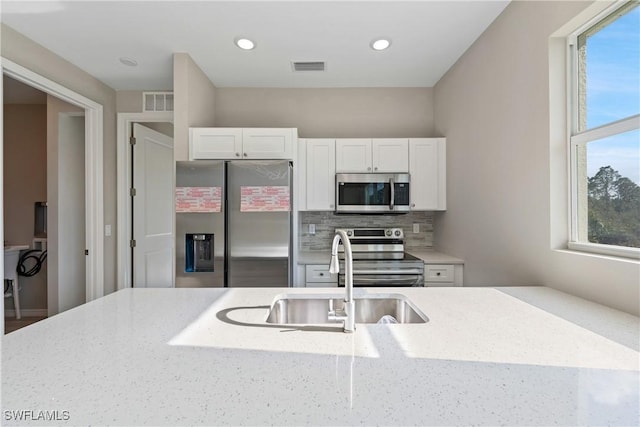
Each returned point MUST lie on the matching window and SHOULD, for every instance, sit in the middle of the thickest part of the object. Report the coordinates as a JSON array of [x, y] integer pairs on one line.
[[605, 133]]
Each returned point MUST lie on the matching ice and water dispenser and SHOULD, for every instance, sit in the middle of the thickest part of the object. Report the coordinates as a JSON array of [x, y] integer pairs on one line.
[[199, 253]]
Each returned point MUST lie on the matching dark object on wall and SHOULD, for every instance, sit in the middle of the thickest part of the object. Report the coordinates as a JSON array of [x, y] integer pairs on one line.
[[40, 226]]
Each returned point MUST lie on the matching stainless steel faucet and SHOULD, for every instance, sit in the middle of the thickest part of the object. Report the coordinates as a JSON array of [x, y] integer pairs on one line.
[[348, 313]]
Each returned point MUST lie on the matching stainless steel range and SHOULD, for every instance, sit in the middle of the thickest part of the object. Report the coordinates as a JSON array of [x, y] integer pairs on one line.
[[379, 259]]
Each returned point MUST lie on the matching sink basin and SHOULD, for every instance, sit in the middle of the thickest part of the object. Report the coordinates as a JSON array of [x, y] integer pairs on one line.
[[303, 309]]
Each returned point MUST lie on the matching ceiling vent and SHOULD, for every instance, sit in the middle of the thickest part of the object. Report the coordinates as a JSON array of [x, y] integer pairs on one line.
[[308, 65], [157, 101]]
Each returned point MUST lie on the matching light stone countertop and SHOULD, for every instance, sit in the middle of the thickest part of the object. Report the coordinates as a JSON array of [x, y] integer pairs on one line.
[[429, 256], [314, 257], [488, 356]]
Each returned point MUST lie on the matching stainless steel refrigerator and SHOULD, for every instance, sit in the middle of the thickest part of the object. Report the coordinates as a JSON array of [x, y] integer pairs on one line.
[[233, 223]]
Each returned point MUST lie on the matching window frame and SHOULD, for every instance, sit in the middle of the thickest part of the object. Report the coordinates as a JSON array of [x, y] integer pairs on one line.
[[578, 141]]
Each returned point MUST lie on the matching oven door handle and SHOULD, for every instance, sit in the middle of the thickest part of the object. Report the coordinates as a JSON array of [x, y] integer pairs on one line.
[[392, 186], [387, 272]]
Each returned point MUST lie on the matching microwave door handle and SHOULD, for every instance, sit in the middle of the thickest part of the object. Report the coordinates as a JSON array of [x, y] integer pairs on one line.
[[392, 185]]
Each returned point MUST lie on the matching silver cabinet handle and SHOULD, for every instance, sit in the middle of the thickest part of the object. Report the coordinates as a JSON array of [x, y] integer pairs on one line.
[[245, 154], [375, 169], [369, 168], [237, 154]]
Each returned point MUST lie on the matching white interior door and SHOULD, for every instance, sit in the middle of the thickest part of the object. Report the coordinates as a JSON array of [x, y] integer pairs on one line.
[[153, 205], [71, 225]]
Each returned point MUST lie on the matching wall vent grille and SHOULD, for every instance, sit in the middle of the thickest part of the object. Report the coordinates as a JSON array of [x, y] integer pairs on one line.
[[157, 101], [308, 65]]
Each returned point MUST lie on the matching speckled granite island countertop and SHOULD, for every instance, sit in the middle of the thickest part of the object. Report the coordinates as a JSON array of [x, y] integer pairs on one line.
[[488, 356]]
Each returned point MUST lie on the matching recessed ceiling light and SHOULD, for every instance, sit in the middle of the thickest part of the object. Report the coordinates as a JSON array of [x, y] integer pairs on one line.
[[129, 62], [245, 44], [380, 44]]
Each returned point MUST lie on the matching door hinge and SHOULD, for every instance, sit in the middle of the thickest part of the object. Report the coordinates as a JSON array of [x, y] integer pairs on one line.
[[132, 192], [132, 243], [132, 140], [86, 251]]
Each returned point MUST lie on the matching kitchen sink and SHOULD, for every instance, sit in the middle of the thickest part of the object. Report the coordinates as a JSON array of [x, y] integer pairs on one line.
[[303, 309]]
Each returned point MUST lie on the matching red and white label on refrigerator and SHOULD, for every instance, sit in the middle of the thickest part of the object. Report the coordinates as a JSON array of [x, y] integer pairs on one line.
[[264, 199], [198, 199]]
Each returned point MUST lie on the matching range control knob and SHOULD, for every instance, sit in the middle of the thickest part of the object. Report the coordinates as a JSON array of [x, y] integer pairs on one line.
[[397, 233], [388, 232], [349, 232]]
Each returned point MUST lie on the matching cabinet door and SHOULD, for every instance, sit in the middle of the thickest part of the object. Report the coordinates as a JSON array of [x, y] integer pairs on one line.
[[320, 165], [390, 155], [353, 155], [427, 167], [215, 143], [319, 276], [267, 143]]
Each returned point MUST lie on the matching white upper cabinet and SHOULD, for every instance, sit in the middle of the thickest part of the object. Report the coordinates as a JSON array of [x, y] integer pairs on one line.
[[215, 143], [427, 167], [261, 143], [363, 155], [390, 154], [317, 169], [241, 143], [353, 155]]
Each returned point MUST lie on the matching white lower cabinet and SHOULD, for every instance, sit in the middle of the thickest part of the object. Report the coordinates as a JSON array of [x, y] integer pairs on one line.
[[318, 276], [443, 275]]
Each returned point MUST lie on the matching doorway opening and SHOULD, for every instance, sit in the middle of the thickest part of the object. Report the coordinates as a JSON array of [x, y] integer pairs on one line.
[[75, 123], [44, 202], [136, 251]]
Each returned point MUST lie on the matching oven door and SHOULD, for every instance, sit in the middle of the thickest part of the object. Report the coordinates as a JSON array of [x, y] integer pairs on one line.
[[387, 279], [371, 193]]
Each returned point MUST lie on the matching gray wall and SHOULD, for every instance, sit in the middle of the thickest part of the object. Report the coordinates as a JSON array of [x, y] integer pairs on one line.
[[330, 113], [503, 205], [194, 102]]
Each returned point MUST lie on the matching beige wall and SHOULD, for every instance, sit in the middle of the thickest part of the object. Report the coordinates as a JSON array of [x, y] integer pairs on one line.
[[194, 102], [494, 108], [31, 55], [25, 182], [346, 113], [129, 101]]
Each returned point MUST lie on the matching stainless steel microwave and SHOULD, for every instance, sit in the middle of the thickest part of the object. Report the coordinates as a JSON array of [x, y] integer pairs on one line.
[[372, 193]]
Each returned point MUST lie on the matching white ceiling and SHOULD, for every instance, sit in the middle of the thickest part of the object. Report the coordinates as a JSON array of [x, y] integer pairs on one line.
[[427, 39]]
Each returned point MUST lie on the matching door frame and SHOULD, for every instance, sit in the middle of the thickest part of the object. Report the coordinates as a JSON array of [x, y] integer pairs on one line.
[[123, 175], [94, 166]]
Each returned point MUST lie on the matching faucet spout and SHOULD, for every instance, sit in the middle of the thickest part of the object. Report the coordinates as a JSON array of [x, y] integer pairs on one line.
[[349, 304]]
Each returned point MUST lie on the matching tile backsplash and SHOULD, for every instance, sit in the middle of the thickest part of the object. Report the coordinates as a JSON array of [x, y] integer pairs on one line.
[[327, 222]]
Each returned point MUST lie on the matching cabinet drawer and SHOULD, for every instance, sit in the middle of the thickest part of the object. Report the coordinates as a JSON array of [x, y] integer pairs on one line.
[[438, 273], [319, 274]]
